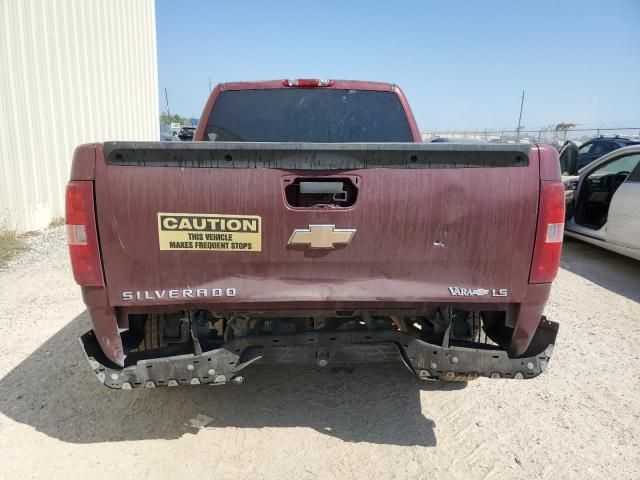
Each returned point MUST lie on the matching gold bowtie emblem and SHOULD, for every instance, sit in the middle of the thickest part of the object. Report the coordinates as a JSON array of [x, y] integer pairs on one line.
[[322, 236]]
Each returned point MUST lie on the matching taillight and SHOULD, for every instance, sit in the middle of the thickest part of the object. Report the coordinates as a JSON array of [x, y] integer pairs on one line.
[[307, 83], [82, 235], [548, 246]]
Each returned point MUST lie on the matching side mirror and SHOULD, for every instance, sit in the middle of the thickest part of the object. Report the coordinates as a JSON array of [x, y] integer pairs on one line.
[[569, 160]]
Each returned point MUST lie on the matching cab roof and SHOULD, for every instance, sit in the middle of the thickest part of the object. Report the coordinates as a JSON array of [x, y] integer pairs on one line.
[[333, 84]]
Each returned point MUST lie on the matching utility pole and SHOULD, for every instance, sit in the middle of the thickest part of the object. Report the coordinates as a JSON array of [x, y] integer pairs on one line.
[[520, 118], [209, 84], [166, 99]]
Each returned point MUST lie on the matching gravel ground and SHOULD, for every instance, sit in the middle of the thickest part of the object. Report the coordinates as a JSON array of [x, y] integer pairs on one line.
[[578, 420]]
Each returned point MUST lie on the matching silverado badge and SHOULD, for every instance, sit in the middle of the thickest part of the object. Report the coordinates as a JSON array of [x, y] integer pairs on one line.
[[322, 236]]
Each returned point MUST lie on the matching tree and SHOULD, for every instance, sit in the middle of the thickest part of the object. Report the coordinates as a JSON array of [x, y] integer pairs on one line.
[[164, 118], [564, 127]]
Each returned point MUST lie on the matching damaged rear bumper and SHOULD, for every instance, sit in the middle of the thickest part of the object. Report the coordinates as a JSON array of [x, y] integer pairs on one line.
[[226, 364]]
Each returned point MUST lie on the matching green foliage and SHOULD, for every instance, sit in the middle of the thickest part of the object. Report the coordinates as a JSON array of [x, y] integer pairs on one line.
[[165, 118]]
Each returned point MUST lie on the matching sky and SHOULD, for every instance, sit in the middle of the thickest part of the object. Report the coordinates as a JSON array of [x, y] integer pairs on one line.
[[462, 64]]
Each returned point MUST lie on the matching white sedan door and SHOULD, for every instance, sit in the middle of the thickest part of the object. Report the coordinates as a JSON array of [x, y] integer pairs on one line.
[[623, 223]]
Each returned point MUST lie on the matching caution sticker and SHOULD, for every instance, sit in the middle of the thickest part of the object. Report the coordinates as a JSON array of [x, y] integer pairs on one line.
[[196, 231]]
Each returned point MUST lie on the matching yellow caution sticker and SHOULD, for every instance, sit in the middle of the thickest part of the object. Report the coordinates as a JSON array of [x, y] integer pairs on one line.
[[197, 231]]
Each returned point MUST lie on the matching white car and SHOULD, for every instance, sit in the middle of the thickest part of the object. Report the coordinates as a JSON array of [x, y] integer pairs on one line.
[[605, 209]]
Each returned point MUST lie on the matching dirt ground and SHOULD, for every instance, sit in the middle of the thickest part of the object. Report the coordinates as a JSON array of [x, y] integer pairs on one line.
[[578, 420]]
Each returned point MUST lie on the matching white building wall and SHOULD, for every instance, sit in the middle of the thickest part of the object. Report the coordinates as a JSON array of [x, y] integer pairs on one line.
[[71, 72]]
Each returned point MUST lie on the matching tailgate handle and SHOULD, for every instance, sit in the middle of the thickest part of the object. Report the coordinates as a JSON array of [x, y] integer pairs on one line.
[[326, 192], [321, 187], [332, 188]]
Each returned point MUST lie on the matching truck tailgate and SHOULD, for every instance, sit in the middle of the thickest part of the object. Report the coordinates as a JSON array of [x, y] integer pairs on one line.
[[427, 218]]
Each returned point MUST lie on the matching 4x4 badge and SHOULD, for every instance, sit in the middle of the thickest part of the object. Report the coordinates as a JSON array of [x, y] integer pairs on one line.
[[322, 236]]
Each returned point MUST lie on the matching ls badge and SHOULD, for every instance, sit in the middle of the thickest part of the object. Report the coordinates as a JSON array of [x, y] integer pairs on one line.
[[478, 292], [322, 236]]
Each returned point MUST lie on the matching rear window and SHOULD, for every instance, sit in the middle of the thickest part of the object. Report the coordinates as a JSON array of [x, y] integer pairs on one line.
[[600, 148], [308, 115]]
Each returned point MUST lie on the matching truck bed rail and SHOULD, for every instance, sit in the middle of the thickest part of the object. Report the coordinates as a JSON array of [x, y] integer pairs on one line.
[[314, 156]]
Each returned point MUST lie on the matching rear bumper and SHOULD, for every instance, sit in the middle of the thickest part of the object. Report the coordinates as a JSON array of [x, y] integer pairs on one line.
[[226, 364]]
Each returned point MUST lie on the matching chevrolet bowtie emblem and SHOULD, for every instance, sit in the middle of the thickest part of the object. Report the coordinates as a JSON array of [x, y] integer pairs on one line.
[[322, 236]]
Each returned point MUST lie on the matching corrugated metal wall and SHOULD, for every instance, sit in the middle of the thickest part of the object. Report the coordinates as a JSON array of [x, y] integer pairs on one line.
[[71, 72]]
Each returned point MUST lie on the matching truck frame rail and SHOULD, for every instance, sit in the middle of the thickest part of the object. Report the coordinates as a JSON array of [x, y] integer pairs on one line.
[[323, 349]]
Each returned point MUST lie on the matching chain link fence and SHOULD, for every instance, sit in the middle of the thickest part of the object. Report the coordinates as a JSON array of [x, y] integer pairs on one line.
[[550, 134]]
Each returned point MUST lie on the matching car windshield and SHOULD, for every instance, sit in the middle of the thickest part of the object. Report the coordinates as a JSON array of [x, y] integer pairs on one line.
[[625, 164], [308, 115]]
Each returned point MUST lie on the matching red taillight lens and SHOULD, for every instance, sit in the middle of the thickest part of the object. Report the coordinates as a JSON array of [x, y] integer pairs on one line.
[[307, 83], [548, 247], [81, 234]]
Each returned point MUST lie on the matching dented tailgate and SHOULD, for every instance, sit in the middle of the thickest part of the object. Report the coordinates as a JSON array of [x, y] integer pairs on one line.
[[215, 221]]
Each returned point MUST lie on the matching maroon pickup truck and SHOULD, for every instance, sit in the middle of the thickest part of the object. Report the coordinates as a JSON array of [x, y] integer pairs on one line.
[[308, 224]]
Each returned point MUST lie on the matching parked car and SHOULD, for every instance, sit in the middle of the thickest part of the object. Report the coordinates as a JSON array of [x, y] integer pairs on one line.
[[314, 227], [605, 207], [457, 140], [166, 134], [186, 133], [597, 147]]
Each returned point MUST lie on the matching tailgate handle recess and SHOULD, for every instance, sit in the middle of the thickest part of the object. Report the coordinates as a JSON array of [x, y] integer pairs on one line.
[[334, 188], [329, 193]]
